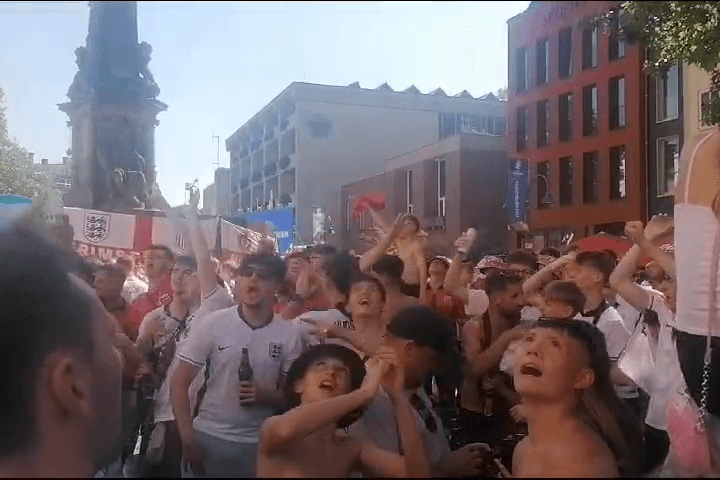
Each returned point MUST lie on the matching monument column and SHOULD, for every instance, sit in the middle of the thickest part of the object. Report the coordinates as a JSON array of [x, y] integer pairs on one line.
[[113, 112]]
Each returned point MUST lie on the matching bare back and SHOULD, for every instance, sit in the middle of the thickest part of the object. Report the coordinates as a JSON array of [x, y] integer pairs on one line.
[[577, 452], [699, 178], [335, 457]]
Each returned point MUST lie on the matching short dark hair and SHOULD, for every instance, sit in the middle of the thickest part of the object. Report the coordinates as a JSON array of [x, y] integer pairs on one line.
[[163, 248], [188, 261], [612, 254], [600, 261], [299, 368], [391, 266], [522, 257], [42, 311], [339, 267], [567, 293], [275, 265], [323, 249], [112, 271], [359, 277], [499, 282], [550, 251], [414, 220]]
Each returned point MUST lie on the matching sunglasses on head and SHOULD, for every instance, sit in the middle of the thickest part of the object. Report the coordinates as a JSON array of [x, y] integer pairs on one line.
[[249, 270]]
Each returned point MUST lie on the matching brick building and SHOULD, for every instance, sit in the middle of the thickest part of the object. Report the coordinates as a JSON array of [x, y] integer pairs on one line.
[[577, 113], [450, 185]]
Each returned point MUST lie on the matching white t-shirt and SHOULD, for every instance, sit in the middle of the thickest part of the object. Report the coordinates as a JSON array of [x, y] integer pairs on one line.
[[220, 338], [379, 425], [478, 302], [629, 313], [612, 326], [218, 299], [668, 375], [333, 315]]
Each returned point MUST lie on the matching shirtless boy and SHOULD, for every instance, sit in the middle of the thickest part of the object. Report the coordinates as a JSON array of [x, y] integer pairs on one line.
[[563, 379], [327, 386]]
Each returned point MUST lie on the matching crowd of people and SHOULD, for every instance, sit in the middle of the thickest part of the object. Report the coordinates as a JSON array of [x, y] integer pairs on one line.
[[390, 364]]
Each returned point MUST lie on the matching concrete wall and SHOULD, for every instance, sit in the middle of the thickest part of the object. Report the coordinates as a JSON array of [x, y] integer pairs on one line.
[[360, 141]]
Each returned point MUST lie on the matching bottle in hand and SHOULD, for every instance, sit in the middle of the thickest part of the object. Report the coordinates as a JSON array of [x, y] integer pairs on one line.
[[245, 373]]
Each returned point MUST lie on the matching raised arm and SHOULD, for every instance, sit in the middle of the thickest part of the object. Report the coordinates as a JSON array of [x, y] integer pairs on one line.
[[301, 421], [621, 279], [482, 361], [368, 259], [206, 268], [656, 228], [534, 284], [452, 279], [382, 463], [379, 219], [421, 263]]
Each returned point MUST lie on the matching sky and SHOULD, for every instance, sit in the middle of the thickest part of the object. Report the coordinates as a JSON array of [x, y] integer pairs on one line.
[[219, 63]]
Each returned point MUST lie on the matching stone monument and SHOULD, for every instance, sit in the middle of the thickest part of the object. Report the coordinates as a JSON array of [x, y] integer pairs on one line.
[[113, 111]]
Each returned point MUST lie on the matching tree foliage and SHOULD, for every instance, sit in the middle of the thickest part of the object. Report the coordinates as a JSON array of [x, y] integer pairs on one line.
[[673, 31], [17, 174]]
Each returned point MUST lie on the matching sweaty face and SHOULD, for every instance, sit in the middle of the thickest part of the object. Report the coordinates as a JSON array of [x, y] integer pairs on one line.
[[108, 286], [156, 263], [365, 300], [511, 302], [325, 378], [184, 282], [255, 285], [551, 367]]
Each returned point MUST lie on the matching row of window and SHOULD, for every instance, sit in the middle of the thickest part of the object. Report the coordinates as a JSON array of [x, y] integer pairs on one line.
[[440, 176], [565, 55], [455, 123], [617, 115], [668, 157], [590, 178]]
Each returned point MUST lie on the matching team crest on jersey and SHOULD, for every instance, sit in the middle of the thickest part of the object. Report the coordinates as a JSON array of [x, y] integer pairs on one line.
[[97, 226], [275, 351]]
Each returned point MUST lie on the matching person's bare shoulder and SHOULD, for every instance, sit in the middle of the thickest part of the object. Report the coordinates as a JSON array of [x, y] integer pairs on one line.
[[585, 456]]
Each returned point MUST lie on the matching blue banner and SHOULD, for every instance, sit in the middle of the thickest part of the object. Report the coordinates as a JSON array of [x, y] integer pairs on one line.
[[517, 190], [281, 222]]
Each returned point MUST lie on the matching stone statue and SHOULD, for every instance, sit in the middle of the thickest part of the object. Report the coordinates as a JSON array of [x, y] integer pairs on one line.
[[150, 88], [80, 86]]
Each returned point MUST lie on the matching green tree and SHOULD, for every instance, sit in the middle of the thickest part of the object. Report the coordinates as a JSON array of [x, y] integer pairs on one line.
[[17, 174], [686, 32]]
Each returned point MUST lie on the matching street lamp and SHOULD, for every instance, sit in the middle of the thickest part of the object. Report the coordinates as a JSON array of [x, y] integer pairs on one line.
[[547, 198]]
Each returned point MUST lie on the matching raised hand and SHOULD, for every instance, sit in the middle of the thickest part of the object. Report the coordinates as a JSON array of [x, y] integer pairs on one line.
[[375, 370], [635, 231], [465, 241], [394, 375], [322, 329], [397, 225]]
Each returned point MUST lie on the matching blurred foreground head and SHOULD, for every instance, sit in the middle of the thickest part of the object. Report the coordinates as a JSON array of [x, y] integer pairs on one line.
[[59, 369]]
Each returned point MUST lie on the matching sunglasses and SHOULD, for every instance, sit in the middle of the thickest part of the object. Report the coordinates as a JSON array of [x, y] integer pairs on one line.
[[248, 271], [424, 412]]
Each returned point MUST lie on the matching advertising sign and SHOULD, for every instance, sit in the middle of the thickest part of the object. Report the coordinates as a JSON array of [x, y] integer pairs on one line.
[[280, 222], [517, 191]]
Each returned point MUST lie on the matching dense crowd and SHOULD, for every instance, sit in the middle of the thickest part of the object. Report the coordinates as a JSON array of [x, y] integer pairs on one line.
[[390, 364]]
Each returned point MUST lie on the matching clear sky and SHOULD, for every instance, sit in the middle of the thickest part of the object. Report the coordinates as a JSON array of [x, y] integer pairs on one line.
[[217, 64]]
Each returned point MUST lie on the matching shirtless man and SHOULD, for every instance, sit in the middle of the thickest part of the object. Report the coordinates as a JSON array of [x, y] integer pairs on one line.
[[564, 364], [326, 383], [388, 270], [404, 234]]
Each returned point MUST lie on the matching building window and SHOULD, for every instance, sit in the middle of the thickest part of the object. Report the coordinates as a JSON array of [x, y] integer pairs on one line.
[[448, 125], [617, 172], [565, 53], [590, 177], [590, 110], [522, 132], [500, 126], [617, 39], [590, 50], [667, 93], [408, 189], [543, 123], [565, 120], [705, 98], [617, 102], [441, 187], [566, 181], [542, 66], [543, 185], [521, 62], [361, 221], [63, 182], [348, 214], [668, 156]]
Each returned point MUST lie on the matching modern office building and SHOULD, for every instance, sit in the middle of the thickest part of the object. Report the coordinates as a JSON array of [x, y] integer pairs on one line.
[[312, 139]]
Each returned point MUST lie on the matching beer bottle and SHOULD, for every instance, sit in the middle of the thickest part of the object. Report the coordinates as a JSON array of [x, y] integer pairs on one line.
[[245, 373]]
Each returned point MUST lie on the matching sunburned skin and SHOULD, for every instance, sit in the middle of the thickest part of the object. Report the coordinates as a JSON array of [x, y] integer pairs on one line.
[[550, 376]]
